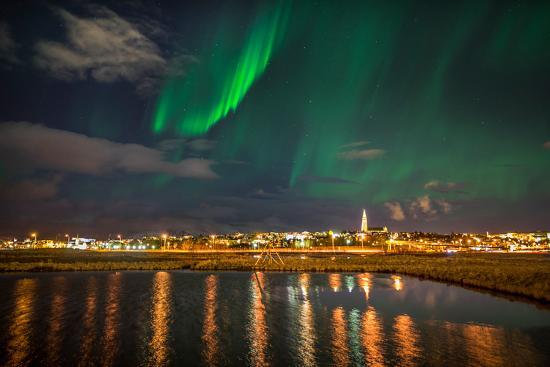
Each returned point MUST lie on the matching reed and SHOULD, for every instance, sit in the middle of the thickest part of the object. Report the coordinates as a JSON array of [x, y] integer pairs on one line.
[[526, 275]]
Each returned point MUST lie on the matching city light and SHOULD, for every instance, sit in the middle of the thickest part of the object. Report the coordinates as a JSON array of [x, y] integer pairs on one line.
[[374, 240]]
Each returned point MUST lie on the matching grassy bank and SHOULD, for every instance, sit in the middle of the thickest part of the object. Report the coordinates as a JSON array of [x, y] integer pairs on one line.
[[524, 275]]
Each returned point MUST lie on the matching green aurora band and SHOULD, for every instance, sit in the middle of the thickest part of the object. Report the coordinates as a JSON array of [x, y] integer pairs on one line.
[[368, 103], [231, 80]]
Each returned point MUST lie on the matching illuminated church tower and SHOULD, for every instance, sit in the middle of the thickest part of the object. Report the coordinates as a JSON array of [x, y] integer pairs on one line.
[[364, 226]]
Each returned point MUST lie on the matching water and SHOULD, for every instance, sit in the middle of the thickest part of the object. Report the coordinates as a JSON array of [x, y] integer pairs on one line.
[[193, 318]]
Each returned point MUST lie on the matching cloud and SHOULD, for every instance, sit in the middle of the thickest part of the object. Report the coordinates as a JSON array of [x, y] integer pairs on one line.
[[234, 161], [325, 179], [196, 145], [396, 211], [168, 145], [42, 147], [422, 204], [425, 206], [201, 145], [7, 45], [546, 145], [31, 189], [355, 144], [262, 194], [443, 187], [365, 154], [445, 206], [106, 48]]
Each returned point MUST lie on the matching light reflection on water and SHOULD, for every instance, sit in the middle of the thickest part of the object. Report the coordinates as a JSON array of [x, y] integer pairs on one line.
[[210, 327], [335, 281], [261, 320], [306, 340], [397, 282], [160, 315], [365, 282], [54, 338], [340, 352], [406, 339], [88, 323], [110, 339], [257, 328], [18, 347], [372, 336]]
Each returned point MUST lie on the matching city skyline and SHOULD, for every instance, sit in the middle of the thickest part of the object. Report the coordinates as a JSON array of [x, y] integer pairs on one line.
[[276, 116]]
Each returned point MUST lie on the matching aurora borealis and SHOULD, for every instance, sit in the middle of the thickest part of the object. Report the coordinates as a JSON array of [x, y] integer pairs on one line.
[[193, 111], [287, 115]]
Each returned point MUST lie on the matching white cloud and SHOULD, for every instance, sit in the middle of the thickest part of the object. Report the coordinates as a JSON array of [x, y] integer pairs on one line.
[[396, 211], [7, 45], [365, 154], [425, 206], [104, 47], [422, 205], [42, 147], [445, 206]]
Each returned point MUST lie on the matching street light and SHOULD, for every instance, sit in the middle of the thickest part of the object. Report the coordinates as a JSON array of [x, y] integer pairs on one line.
[[34, 236], [164, 237], [213, 237], [332, 237], [362, 238], [67, 235]]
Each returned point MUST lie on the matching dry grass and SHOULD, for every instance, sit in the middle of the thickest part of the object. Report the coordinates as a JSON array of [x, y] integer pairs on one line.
[[517, 274]]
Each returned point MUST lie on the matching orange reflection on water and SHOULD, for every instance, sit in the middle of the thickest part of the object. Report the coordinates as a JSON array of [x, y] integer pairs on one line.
[[407, 340], [335, 281], [397, 282], [88, 324], [484, 345], [110, 330], [257, 328], [340, 352], [54, 338], [304, 283], [306, 336], [210, 328], [19, 343], [160, 316], [365, 281], [491, 346], [372, 336]]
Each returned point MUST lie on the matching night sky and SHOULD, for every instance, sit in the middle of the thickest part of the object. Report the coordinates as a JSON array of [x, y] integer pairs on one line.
[[213, 116]]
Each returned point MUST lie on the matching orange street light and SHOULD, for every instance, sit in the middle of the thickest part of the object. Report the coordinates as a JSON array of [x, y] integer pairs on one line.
[[332, 238]]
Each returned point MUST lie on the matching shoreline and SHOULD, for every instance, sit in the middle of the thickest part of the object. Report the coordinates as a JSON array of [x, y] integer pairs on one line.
[[525, 276]]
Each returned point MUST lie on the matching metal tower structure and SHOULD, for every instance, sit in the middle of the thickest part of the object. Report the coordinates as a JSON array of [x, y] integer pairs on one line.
[[269, 255]]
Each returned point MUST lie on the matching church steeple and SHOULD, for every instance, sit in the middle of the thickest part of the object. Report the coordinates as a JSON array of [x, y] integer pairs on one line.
[[364, 226]]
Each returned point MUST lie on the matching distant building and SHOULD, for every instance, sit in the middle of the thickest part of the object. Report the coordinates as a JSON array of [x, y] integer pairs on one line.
[[365, 228], [378, 229], [81, 243], [364, 225]]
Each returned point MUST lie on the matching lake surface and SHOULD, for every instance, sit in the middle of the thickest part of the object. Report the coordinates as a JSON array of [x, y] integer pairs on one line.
[[226, 318]]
